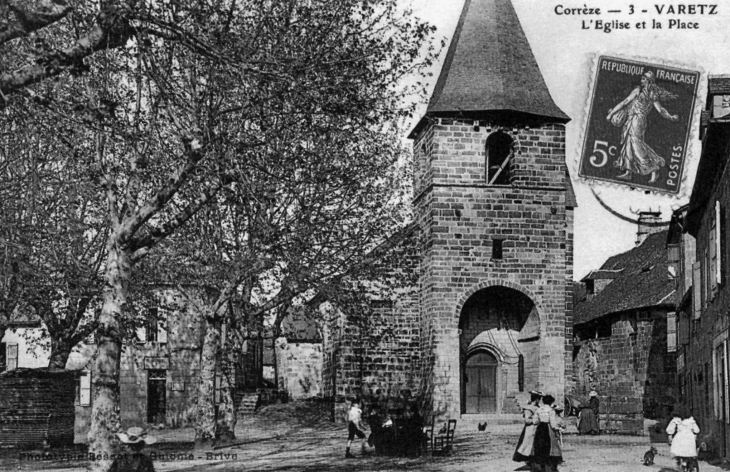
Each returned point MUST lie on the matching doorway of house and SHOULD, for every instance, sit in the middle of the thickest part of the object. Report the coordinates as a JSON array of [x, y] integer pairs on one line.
[[481, 383], [156, 396]]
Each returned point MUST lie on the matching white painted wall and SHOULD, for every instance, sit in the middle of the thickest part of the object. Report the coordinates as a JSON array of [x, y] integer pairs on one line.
[[34, 352]]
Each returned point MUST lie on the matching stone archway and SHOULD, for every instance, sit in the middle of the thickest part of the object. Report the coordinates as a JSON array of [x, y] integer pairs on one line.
[[499, 336]]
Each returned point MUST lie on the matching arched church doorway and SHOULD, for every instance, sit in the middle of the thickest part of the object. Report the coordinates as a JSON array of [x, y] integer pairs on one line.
[[499, 337], [480, 378]]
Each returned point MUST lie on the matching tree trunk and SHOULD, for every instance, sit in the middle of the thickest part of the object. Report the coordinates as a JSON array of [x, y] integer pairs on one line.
[[105, 419], [206, 420], [226, 422], [60, 351]]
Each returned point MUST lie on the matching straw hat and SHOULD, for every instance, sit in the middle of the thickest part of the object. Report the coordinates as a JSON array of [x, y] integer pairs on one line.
[[536, 392], [136, 435]]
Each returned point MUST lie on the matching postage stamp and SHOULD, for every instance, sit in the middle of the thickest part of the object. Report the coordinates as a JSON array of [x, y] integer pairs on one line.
[[639, 122]]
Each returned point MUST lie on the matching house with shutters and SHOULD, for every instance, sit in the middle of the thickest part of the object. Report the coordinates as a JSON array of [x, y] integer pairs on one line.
[[624, 333], [159, 367], [703, 307]]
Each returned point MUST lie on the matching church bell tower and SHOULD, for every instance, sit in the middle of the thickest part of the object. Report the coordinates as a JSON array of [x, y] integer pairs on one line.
[[495, 211]]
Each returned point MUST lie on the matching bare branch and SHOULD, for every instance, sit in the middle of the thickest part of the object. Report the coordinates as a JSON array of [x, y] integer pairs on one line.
[[29, 16]]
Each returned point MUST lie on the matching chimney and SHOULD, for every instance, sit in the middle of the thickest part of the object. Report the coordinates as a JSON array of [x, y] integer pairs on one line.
[[649, 223]]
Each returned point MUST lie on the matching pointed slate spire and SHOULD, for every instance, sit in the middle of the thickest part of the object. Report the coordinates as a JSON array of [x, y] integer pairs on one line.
[[490, 67]]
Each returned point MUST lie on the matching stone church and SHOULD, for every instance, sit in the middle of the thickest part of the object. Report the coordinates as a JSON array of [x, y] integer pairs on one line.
[[492, 243]]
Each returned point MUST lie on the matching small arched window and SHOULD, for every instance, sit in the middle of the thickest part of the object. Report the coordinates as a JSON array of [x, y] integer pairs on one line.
[[498, 158]]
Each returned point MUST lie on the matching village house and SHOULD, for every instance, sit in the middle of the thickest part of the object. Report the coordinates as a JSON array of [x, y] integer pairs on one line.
[[703, 327], [160, 366], [491, 316], [624, 323]]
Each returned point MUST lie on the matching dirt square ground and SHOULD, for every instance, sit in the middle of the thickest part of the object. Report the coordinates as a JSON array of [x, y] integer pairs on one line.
[[299, 437]]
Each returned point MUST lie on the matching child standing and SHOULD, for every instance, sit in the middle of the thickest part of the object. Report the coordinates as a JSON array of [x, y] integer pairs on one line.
[[354, 426], [683, 431]]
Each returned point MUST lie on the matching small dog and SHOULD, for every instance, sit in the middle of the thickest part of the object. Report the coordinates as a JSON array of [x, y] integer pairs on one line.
[[649, 456]]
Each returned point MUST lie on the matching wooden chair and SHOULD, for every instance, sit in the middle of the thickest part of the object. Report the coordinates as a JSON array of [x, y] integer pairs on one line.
[[443, 443]]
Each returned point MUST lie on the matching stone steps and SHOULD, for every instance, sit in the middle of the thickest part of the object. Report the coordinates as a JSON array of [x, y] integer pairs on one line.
[[247, 403]]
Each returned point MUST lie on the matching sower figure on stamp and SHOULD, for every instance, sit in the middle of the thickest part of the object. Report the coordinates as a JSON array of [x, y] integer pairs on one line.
[[354, 426], [636, 157]]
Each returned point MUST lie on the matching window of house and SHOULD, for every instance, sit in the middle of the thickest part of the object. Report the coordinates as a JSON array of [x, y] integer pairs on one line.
[[83, 392], [497, 248], [720, 243], [499, 155], [705, 278], [671, 332], [521, 373], [11, 356], [3, 357], [720, 106], [603, 330], [590, 287], [720, 390], [154, 329], [673, 259], [707, 389], [680, 387]]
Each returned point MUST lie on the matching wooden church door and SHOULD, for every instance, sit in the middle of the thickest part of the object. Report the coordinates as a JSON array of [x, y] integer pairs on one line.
[[481, 384]]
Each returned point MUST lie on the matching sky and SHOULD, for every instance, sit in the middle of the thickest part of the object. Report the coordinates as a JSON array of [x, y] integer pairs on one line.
[[565, 52]]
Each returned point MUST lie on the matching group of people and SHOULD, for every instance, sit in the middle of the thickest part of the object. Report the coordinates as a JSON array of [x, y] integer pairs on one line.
[[383, 437], [540, 444]]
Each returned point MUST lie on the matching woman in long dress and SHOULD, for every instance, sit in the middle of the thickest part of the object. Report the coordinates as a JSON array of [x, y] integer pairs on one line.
[[588, 416], [636, 157], [547, 450], [523, 451]]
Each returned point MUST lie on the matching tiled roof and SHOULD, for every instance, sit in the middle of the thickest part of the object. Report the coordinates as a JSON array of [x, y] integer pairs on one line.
[[602, 274], [25, 318], [490, 67], [718, 84], [643, 282]]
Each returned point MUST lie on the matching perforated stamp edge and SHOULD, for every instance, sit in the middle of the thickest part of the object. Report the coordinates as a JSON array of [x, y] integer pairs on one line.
[[694, 127]]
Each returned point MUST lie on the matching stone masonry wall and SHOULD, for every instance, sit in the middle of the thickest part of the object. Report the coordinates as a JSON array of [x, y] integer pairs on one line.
[[378, 356], [630, 369], [299, 368], [569, 219], [460, 216], [386, 367]]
